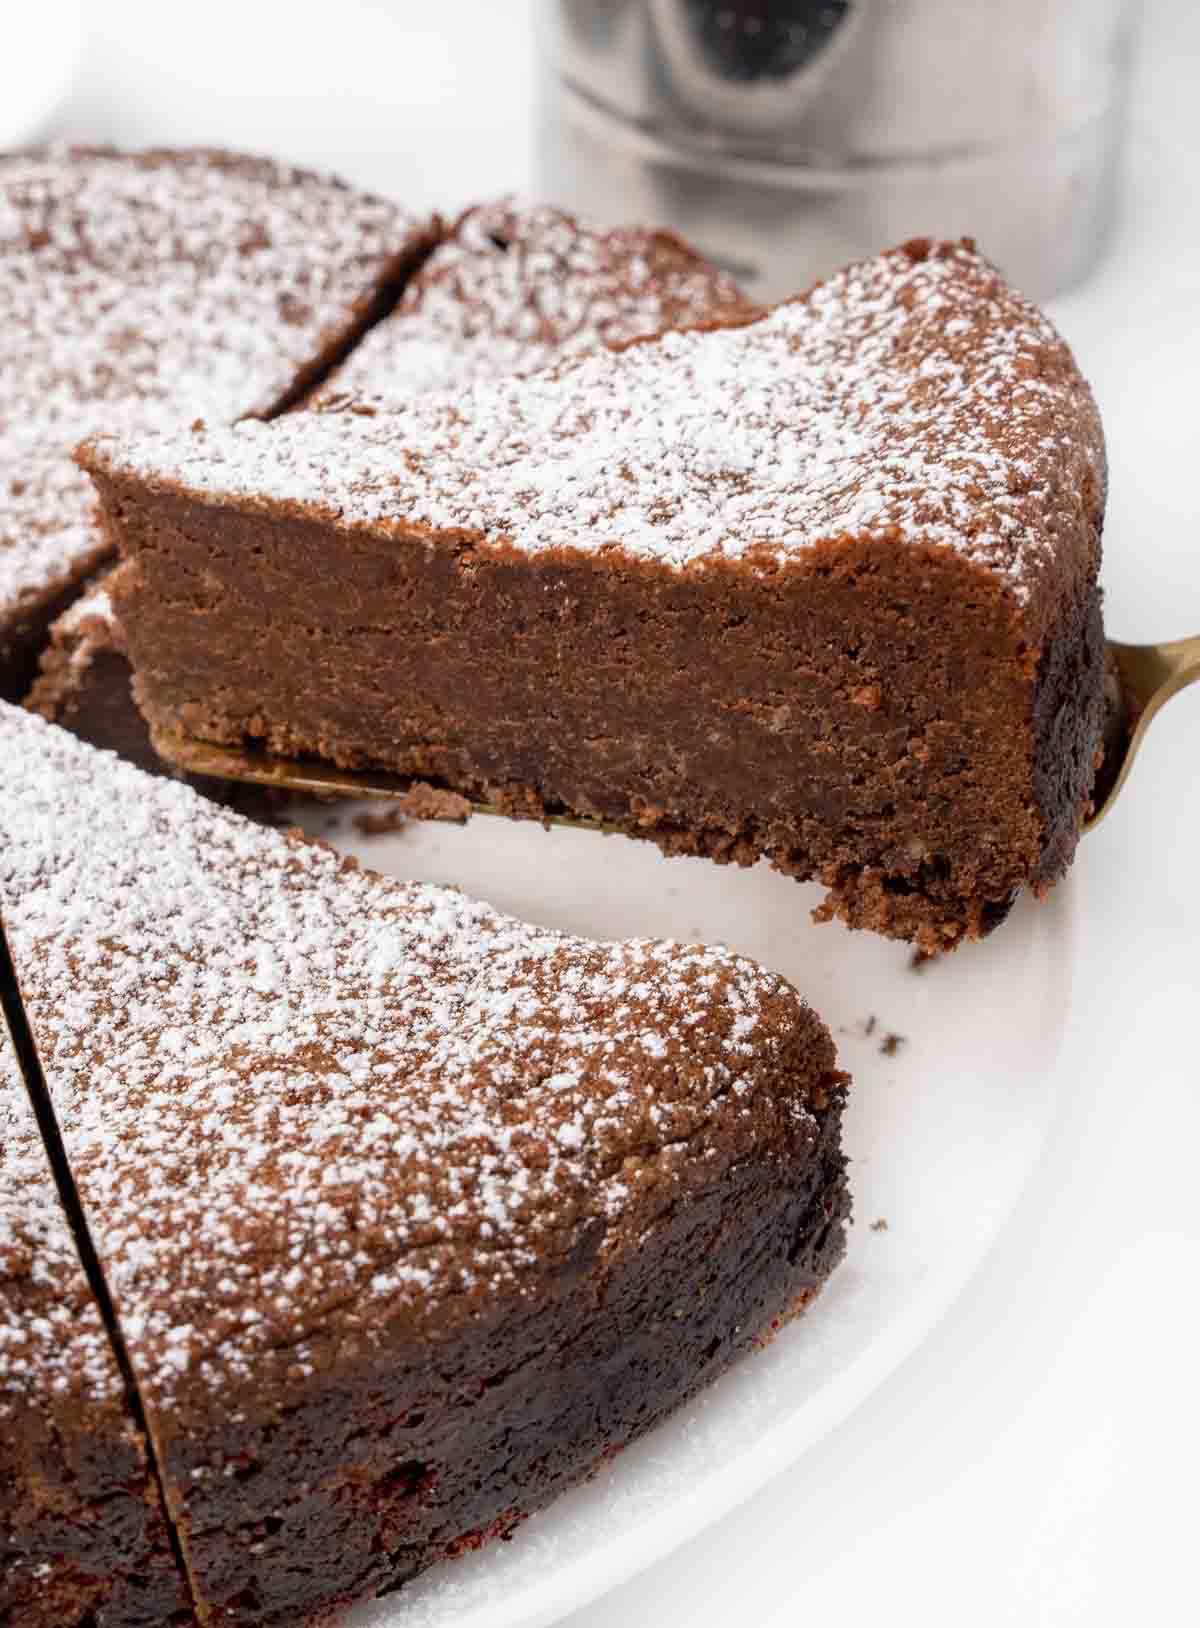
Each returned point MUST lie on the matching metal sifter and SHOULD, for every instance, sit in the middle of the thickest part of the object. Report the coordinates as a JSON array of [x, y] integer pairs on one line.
[[785, 137]]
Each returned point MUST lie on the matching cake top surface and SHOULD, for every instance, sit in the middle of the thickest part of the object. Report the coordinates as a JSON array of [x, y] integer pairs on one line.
[[515, 289], [139, 290], [53, 1344], [302, 1101], [914, 395]]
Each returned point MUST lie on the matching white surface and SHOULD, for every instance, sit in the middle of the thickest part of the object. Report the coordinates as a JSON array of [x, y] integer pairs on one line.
[[943, 1136], [1033, 1463], [38, 62]]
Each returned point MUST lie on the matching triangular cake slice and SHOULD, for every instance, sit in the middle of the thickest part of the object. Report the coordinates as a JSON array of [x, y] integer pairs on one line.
[[515, 289], [154, 288], [411, 1214], [819, 587], [83, 1539]]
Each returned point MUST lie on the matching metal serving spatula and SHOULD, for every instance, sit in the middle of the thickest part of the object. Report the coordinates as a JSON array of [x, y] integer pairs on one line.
[[1142, 678]]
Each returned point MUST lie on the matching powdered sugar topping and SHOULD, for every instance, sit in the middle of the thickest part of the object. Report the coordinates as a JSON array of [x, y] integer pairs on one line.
[[914, 396]]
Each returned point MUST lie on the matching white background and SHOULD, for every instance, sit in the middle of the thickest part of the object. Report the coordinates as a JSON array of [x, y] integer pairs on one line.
[[1036, 1461]]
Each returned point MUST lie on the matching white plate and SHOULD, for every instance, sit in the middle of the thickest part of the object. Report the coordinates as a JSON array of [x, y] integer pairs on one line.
[[942, 1137], [38, 62]]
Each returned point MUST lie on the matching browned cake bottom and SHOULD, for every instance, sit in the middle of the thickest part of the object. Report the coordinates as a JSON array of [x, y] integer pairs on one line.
[[461, 1444]]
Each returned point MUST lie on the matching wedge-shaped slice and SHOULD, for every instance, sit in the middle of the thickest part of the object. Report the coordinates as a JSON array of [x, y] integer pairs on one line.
[[514, 289], [411, 1214], [83, 1540], [820, 587], [157, 288]]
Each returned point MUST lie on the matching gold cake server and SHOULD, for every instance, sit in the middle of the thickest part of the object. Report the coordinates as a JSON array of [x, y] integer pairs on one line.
[[1142, 678]]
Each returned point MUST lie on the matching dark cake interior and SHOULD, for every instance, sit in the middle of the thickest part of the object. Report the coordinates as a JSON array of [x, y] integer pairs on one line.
[[84, 681], [84, 684], [507, 292]]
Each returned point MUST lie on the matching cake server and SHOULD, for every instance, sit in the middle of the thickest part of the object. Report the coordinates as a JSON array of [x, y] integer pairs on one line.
[[1142, 678]]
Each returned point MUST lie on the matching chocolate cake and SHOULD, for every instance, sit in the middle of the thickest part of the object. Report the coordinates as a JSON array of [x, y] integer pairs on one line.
[[83, 1540], [411, 1214], [513, 290], [819, 587], [158, 287]]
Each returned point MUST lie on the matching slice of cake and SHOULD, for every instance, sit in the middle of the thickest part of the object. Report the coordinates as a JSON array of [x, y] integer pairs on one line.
[[411, 1214], [513, 290], [152, 288], [819, 587], [82, 1535]]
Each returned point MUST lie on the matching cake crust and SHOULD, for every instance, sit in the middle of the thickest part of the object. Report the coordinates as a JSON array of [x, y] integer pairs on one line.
[[410, 1213], [819, 586]]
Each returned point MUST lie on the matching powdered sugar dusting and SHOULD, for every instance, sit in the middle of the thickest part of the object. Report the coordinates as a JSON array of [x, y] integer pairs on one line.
[[913, 395], [149, 290], [517, 289], [52, 1341], [298, 1096]]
